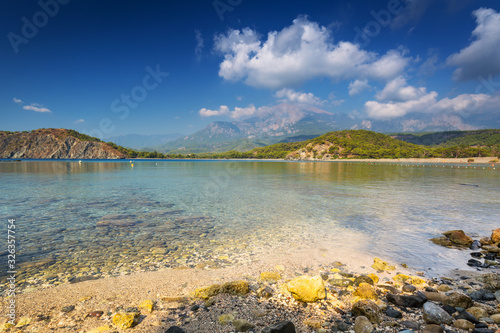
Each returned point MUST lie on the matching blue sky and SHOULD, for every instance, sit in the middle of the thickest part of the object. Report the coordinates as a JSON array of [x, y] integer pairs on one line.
[[153, 67]]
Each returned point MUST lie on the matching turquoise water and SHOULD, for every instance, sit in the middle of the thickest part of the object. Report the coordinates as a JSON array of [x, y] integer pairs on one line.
[[186, 213]]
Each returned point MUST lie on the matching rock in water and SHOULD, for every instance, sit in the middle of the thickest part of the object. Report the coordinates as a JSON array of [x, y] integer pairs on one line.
[[367, 309], [126, 320], [458, 237], [495, 236], [460, 300], [406, 301], [281, 327], [307, 289], [233, 288], [381, 265], [270, 277], [442, 241], [433, 314], [242, 325], [362, 325]]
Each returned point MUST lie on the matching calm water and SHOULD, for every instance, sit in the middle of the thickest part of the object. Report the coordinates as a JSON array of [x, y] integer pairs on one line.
[[183, 213]]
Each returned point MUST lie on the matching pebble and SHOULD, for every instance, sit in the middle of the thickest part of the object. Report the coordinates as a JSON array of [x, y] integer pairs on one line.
[[433, 314], [405, 301], [408, 288], [281, 327], [432, 329], [242, 325], [362, 325]]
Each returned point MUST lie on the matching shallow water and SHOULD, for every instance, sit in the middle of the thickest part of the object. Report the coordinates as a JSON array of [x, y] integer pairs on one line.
[[188, 213]]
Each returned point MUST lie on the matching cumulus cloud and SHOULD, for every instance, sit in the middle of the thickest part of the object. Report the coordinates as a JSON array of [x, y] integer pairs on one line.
[[234, 114], [79, 121], [199, 45], [18, 101], [357, 86], [399, 90], [464, 105], [298, 53], [36, 107], [482, 57], [290, 95]]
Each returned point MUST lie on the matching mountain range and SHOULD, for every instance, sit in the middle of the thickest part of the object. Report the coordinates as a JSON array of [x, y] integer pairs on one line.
[[289, 123]]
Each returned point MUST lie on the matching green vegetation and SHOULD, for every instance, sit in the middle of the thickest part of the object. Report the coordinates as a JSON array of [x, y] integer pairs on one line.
[[488, 137]]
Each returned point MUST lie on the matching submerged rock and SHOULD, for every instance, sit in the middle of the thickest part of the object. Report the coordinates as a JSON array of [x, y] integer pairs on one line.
[[233, 288], [270, 276], [442, 241], [381, 265], [307, 289], [458, 237]]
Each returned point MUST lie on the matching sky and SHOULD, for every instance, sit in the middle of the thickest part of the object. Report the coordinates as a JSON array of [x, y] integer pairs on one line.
[[110, 68]]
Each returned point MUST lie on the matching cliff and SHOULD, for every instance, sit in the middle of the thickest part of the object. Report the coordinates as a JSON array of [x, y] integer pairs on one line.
[[54, 144]]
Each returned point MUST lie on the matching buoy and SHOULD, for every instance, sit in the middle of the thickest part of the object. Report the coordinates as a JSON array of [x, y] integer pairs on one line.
[[132, 165], [79, 162]]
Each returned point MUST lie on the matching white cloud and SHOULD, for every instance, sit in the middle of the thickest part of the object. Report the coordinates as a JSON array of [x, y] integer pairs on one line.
[[357, 86], [399, 90], [482, 57], [298, 53], [464, 105], [18, 101], [235, 114], [36, 107], [199, 45], [291, 95], [79, 121]]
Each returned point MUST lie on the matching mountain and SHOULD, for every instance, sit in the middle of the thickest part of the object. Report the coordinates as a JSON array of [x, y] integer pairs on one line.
[[289, 123], [54, 144], [488, 137], [139, 141]]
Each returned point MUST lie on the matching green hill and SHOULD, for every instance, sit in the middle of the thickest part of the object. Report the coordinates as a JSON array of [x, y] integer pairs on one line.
[[488, 137]]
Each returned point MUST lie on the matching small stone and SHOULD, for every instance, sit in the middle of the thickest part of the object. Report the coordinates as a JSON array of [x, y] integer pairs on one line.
[[463, 324], [281, 327], [408, 288], [367, 309], [478, 312], [96, 314], [23, 322], [393, 313], [238, 288], [194, 308], [435, 297], [307, 289], [467, 316], [362, 325], [482, 330], [68, 308], [100, 329], [242, 325], [226, 318], [313, 323], [340, 282], [497, 295], [432, 329], [496, 318], [485, 241], [406, 301], [450, 309], [411, 324], [363, 279], [461, 300], [147, 305], [271, 277], [433, 314], [444, 288], [374, 277], [381, 265], [366, 291], [126, 320], [442, 241]]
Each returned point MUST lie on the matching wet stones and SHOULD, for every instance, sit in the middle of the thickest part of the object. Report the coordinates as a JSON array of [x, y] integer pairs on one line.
[[458, 237], [433, 314], [380, 265], [407, 301], [307, 289]]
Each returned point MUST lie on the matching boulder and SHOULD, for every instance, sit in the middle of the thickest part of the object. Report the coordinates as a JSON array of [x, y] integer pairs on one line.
[[307, 289], [434, 314], [367, 309], [495, 236], [458, 237]]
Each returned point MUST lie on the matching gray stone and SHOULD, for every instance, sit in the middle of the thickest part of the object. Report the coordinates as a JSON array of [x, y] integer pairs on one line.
[[281, 327], [406, 301], [175, 329], [362, 325], [433, 314], [367, 309]]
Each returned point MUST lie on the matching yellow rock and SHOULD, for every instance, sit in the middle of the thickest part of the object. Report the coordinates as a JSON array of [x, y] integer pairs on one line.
[[366, 291], [148, 305], [403, 278], [226, 318], [125, 320], [99, 329], [374, 277], [233, 288], [23, 322], [307, 289], [478, 312], [381, 265], [270, 276], [85, 298], [335, 270], [313, 323], [5, 327], [495, 236]]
